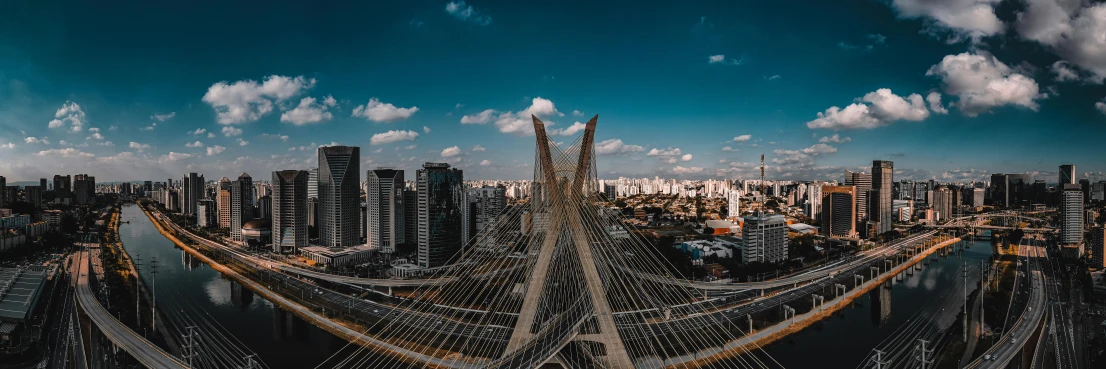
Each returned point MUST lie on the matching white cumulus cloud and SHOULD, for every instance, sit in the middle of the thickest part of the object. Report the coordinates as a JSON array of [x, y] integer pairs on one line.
[[478, 118], [451, 151], [69, 114], [247, 100], [163, 117], [215, 150], [194, 144], [615, 146], [982, 82], [377, 111], [309, 111], [460, 10], [742, 138], [875, 109], [965, 18], [138, 146], [68, 152], [393, 136], [231, 131]]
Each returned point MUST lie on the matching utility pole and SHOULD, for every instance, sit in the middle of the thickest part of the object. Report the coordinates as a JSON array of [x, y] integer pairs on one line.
[[153, 292], [250, 362], [190, 345], [878, 360], [982, 289], [967, 314], [137, 294], [923, 353]]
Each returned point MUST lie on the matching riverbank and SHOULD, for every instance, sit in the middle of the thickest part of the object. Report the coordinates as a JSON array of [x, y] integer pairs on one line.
[[341, 329], [782, 330]]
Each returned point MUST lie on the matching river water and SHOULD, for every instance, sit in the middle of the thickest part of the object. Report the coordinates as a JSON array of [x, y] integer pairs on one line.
[[283, 341], [279, 339], [847, 338]]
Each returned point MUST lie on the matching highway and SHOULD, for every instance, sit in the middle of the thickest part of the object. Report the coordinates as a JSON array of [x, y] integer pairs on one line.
[[1061, 327], [145, 352], [816, 274], [1009, 346]]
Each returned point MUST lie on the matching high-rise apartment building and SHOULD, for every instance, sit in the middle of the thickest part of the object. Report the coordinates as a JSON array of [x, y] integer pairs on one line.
[[441, 214], [839, 211], [62, 184], [206, 214], [34, 195], [3, 189], [942, 204], [289, 201], [733, 209], [339, 195], [1071, 214], [384, 218], [1098, 248], [313, 183], [880, 202], [764, 238], [84, 189], [241, 205], [42, 184], [1067, 174], [485, 205], [222, 197], [863, 184]]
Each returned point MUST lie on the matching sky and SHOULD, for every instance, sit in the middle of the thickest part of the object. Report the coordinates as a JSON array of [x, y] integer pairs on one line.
[[951, 90]]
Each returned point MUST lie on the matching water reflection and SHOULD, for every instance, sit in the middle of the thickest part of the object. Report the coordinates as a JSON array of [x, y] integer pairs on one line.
[[240, 297], [881, 304]]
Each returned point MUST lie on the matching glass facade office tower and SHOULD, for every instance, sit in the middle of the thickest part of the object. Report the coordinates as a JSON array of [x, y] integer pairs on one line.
[[441, 214], [339, 196], [289, 199]]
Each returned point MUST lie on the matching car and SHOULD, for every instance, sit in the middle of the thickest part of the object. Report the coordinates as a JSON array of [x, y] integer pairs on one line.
[[1013, 340], [986, 357]]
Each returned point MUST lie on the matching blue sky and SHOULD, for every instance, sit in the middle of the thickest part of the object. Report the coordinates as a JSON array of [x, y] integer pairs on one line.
[[950, 89]]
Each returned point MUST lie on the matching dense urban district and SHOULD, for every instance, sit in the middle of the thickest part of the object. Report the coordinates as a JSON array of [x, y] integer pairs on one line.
[[435, 270]]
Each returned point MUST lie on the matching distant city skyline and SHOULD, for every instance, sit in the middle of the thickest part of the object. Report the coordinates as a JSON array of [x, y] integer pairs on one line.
[[685, 91]]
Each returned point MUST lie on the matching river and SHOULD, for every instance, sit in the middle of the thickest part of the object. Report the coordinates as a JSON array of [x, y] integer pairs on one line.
[[283, 341], [279, 339], [847, 338]]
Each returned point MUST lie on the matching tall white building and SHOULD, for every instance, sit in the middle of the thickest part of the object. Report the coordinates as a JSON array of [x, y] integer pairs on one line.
[[241, 205], [764, 238], [485, 205], [1071, 214], [734, 207]]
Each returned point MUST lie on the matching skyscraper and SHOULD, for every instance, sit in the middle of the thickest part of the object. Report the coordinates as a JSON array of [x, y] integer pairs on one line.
[[863, 184], [733, 209], [339, 195], [880, 202], [1098, 248], [441, 217], [206, 214], [1071, 214], [42, 183], [84, 188], [1067, 174], [485, 205], [191, 192], [222, 192], [289, 210], [410, 216], [942, 203], [34, 195], [313, 183], [62, 184], [384, 220], [999, 190], [838, 211], [3, 188], [764, 238], [241, 205]]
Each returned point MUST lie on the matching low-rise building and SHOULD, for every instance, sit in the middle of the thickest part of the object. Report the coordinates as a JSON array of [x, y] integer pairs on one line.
[[337, 257]]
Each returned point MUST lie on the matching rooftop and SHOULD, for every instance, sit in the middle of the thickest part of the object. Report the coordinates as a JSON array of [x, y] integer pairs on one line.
[[19, 290]]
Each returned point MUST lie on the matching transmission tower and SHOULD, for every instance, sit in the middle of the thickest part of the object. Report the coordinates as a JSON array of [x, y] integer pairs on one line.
[[924, 356], [251, 363], [878, 360], [137, 294], [153, 292], [189, 344]]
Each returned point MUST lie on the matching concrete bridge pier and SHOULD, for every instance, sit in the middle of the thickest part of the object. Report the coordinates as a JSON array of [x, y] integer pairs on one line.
[[750, 318], [836, 287]]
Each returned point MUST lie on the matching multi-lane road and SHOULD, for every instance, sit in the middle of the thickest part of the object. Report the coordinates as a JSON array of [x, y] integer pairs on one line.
[[144, 351], [1009, 346]]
